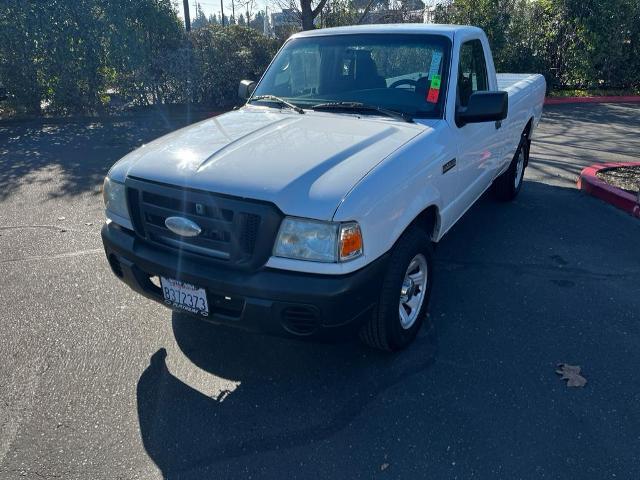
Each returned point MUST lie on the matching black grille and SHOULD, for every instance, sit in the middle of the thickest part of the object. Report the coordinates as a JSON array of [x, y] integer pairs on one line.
[[237, 232]]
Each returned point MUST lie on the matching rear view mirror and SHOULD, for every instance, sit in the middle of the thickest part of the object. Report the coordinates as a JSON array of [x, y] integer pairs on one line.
[[484, 107], [246, 88]]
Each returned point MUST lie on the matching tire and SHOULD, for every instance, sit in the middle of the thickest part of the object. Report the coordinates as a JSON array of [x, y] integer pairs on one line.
[[507, 186], [386, 330]]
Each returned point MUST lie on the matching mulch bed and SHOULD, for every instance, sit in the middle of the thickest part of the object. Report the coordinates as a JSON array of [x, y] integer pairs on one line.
[[625, 178]]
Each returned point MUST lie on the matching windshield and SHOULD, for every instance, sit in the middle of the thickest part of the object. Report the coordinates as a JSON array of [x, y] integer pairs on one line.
[[405, 73]]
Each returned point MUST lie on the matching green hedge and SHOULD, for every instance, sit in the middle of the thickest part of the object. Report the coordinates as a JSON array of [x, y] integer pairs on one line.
[[80, 56], [574, 43], [76, 57], [222, 56]]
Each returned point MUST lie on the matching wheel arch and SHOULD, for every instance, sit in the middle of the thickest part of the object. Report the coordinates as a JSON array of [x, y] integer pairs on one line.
[[526, 137], [528, 128], [428, 220]]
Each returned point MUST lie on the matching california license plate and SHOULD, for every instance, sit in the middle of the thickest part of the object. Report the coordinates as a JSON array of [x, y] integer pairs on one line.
[[185, 296]]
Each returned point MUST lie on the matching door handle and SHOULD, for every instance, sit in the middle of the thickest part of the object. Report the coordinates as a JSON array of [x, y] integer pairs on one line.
[[498, 124]]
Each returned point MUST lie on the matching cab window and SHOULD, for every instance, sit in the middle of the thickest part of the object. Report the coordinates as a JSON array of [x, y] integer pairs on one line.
[[472, 71]]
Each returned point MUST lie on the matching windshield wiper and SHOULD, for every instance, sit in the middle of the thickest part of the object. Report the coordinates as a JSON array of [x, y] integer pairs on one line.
[[279, 100], [363, 107]]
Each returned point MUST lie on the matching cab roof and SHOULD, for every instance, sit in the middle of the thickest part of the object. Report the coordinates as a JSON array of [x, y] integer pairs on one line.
[[398, 28]]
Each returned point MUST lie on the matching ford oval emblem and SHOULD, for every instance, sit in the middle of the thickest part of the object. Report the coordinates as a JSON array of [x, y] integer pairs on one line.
[[183, 226]]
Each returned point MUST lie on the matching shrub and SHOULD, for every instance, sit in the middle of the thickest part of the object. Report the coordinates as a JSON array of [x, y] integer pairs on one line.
[[71, 56], [222, 56], [574, 43]]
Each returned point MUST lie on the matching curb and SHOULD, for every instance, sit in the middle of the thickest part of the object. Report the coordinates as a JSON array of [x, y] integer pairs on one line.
[[621, 199], [603, 99]]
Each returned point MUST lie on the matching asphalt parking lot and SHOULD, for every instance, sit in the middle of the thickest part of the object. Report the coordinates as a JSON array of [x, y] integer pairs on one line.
[[97, 382]]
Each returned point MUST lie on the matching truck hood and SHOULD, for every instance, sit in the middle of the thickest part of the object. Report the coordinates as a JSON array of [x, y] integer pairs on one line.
[[305, 164]]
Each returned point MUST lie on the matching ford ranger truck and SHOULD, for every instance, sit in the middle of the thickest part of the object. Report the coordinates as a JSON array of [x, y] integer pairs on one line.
[[312, 210]]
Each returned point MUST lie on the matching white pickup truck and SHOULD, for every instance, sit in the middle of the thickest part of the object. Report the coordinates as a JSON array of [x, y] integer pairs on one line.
[[312, 210]]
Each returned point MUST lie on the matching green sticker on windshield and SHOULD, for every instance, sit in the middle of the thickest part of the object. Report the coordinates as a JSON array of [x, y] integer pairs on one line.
[[435, 82]]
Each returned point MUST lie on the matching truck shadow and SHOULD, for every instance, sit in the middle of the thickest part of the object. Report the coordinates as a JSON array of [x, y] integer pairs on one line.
[[290, 393], [484, 384]]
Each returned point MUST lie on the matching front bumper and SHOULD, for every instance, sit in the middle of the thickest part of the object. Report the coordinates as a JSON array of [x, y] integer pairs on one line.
[[268, 300]]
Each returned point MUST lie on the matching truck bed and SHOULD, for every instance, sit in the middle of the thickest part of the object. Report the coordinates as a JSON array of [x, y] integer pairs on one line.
[[508, 80], [526, 97]]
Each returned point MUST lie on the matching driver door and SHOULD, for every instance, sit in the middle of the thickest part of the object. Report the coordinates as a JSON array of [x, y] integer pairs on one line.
[[478, 143]]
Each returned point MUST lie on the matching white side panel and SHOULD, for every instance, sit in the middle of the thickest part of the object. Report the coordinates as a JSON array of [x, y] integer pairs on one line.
[[391, 196], [526, 98]]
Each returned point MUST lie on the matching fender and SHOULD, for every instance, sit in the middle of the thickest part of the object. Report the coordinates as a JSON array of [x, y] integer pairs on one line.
[[390, 197]]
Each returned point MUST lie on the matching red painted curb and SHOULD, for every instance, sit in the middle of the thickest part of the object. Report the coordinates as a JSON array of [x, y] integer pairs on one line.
[[603, 99], [621, 199]]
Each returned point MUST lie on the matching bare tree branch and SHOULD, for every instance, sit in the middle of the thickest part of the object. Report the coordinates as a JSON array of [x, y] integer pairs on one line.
[[365, 13], [320, 6]]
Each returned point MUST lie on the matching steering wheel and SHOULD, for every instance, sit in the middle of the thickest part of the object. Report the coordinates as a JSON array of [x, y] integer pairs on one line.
[[404, 81]]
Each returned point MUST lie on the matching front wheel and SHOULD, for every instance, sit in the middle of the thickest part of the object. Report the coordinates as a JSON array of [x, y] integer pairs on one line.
[[402, 308]]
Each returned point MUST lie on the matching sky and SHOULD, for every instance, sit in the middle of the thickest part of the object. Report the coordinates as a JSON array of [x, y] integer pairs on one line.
[[213, 6]]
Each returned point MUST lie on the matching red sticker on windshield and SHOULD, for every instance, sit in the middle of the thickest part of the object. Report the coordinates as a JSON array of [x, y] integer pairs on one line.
[[433, 95]]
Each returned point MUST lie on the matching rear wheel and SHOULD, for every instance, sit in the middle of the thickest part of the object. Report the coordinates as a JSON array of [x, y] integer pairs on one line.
[[507, 186], [402, 308]]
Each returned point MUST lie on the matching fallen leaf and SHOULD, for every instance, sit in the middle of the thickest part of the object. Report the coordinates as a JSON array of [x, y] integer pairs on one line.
[[384, 466], [571, 373]]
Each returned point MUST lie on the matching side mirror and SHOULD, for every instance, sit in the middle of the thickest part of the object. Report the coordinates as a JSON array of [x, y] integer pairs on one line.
[[484, 107], [246, 88]]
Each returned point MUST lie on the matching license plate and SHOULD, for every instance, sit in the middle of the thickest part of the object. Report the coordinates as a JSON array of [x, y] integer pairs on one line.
[[185, 296]]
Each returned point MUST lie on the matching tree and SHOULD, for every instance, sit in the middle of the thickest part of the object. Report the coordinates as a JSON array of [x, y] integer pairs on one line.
[[305, 10], [257, 22], [146, 44], [575, 43], [309, 13], [66, 57], [200, 19], [22, 34], [248, 6], [223, 57], [233, 19], [610, 31]]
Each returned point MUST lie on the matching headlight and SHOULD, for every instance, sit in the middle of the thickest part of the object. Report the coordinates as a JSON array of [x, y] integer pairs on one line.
[[317, 241], [115, 202]]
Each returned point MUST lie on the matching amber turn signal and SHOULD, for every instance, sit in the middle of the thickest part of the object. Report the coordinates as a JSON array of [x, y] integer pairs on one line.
[[350, 241]]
